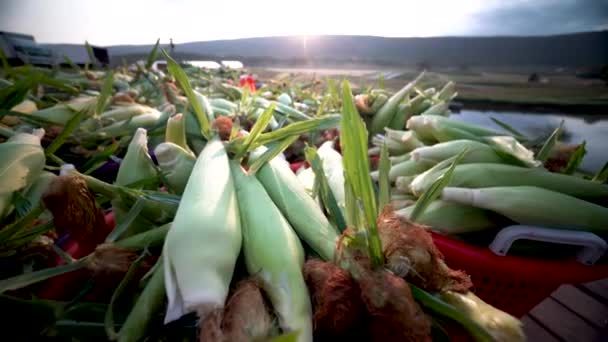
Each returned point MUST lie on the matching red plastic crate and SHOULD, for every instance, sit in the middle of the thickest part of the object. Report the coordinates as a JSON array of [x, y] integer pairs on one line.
[[511, 283]]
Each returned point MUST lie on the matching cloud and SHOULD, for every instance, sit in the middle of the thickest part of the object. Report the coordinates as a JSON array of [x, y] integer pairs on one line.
[[541, 17], [143, 21]]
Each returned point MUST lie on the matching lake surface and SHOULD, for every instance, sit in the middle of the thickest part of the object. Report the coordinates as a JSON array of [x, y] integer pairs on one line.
[[592, 129]]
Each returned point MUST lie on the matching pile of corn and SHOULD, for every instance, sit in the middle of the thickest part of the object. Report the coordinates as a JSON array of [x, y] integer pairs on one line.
[[211, 221], [497, 182]]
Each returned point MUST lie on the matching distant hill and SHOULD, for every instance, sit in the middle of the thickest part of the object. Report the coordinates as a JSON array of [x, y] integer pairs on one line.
[[572, 50]]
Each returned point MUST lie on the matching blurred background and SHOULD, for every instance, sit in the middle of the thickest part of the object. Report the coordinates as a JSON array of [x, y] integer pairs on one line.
[[522, 57]]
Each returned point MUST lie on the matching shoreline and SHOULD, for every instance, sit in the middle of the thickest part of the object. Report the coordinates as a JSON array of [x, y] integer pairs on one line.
[[491, 105]]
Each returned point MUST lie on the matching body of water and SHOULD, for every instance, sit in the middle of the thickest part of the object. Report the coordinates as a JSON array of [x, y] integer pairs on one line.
[[592, 129]]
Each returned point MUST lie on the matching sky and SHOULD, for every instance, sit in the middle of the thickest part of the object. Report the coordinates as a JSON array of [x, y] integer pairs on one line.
[[113, 22]]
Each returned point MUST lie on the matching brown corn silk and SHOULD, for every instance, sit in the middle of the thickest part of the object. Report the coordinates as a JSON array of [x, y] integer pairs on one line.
[[223, 125], [338, 309], [246, 317], [394, 314], [410, 253], [74, 209]]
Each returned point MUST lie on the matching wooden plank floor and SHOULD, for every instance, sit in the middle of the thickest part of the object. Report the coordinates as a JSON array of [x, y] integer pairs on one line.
[[571, 314]]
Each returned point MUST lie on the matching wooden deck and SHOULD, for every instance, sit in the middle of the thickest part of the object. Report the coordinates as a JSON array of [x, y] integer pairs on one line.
[[572, 314]]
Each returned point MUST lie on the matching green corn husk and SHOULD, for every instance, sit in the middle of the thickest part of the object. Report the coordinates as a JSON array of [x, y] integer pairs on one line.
[[407, 138], [512, 151], [378, 101], [147, 120], [223, 103], [424, 105], [176, 132], [502, 326], [176, 163], [300, 209], [281, 269], [218, 111], [136, 166], [476, 152], [452, 218], [204, 242], [440, 108], [534, 206], [386, 113], [291, 112], [402, 183], [421, 102], [23, 161], [406, 168], [485, 175], [399, 204], [206, 105], [334, 171], [285, 99], [149, 302], [273, 124], [33, 194], [124, 113], [400, 159], [447, 93], [395, 147], [61, 113], [403, 113], [434, 128]]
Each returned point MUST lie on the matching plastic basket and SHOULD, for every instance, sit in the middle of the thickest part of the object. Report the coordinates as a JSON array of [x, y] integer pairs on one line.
[[511, 283]]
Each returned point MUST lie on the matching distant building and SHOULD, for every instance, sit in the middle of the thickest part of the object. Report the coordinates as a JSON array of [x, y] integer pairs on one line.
[[212, 65], [79, 55], [204, 64], [22, 49], [232, 64]]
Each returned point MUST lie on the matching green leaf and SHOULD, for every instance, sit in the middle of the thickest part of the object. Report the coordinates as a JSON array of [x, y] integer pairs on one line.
[[16, 93], [576, 159], [5, 66], [353, 140], [24, 237], [152, 55], [384, 193], [55, 159], [100, 158], [73, 65], [289, 337], [381, 81], [26, 118], [8, 231], [257, 129], [274, 149], [439, 307], [298, 128], [545, 151], [435, 190], [176, 71], [106, 92], [109, 319], [30, 278], [508, 128], [321, 182], [22, 204], [92, 59], [602, 175], [55, 83], [127, 221], [70, 126], [351, 209]]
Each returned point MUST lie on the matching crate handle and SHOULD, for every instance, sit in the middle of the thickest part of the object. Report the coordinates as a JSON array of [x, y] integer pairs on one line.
[[594, 246]]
